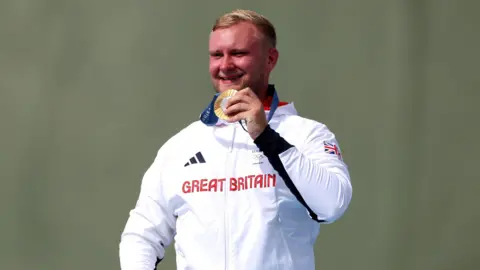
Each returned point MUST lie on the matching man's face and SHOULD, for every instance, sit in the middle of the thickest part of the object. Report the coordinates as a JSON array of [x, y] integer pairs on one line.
[[240, 57]]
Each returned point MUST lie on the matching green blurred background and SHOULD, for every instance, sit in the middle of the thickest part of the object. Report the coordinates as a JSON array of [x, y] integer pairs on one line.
[[86, 101]]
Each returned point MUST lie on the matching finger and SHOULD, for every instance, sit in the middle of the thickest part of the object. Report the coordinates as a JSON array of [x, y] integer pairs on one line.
[[246, 91], [237, 108], [249, 93], [239, 116], [237, 98]]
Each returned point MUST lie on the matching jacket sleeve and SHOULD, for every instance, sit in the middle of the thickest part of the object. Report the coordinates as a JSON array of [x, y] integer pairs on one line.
[[150, 226], [319, 179]]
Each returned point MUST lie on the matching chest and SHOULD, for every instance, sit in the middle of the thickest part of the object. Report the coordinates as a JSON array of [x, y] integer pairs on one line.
[[222, 174]]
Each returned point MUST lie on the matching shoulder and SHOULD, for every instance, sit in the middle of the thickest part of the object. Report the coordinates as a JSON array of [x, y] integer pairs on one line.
[[309, 135], [186, 132], [181, 139], [305, 129]]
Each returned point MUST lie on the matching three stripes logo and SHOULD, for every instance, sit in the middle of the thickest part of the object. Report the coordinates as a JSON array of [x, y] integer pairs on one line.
[[198, 158]]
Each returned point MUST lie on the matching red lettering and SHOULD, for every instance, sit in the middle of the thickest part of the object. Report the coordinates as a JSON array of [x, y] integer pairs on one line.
[[236, 184], [203, 185], [195, 185], [233, 184], [241, 183], [259, 181], [186, 187], [272, 178], [212, 185], [250, 181], [221, 181]]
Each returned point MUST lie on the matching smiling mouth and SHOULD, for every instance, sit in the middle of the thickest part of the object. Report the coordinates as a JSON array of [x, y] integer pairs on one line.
[[230, 79]]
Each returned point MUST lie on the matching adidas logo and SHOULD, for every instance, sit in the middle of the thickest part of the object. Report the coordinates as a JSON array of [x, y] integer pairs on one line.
[[198, 158]]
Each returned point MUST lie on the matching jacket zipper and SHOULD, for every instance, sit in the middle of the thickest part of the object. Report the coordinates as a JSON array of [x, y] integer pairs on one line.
[[229, 162]]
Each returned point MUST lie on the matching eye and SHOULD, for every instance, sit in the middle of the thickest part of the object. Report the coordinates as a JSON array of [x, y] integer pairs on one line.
[[216, 54], [239, 53]]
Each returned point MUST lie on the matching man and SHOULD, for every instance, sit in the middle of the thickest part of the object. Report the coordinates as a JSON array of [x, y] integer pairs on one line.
[[248, 192]]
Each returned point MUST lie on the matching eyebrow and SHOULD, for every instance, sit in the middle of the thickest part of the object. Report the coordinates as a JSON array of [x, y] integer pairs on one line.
[[235, 50]]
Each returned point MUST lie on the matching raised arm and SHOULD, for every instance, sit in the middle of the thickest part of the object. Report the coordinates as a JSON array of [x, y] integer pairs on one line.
[[320, 180]]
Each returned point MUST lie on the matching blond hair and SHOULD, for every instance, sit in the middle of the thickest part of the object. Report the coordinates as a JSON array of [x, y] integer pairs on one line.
[[243, 15]]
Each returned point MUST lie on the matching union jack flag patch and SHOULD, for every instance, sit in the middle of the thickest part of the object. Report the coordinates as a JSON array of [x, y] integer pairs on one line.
[[332, 149]]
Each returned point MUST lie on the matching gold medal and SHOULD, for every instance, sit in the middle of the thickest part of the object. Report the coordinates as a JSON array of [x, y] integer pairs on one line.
[[221, 103]]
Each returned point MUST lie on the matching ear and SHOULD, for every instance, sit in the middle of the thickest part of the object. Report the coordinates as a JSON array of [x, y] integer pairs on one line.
[[272, 58]]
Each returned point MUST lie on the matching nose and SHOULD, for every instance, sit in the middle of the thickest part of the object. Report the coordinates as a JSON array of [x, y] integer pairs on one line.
[[226, 63]]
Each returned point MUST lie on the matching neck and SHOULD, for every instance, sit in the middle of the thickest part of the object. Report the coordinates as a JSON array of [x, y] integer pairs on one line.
[[263, 94], [268, 97]]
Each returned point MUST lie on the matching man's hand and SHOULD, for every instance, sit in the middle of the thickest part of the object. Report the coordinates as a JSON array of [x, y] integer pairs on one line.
[[245, 104]]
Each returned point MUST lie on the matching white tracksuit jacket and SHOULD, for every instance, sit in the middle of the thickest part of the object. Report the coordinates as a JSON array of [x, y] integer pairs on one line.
[[228, 202]]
